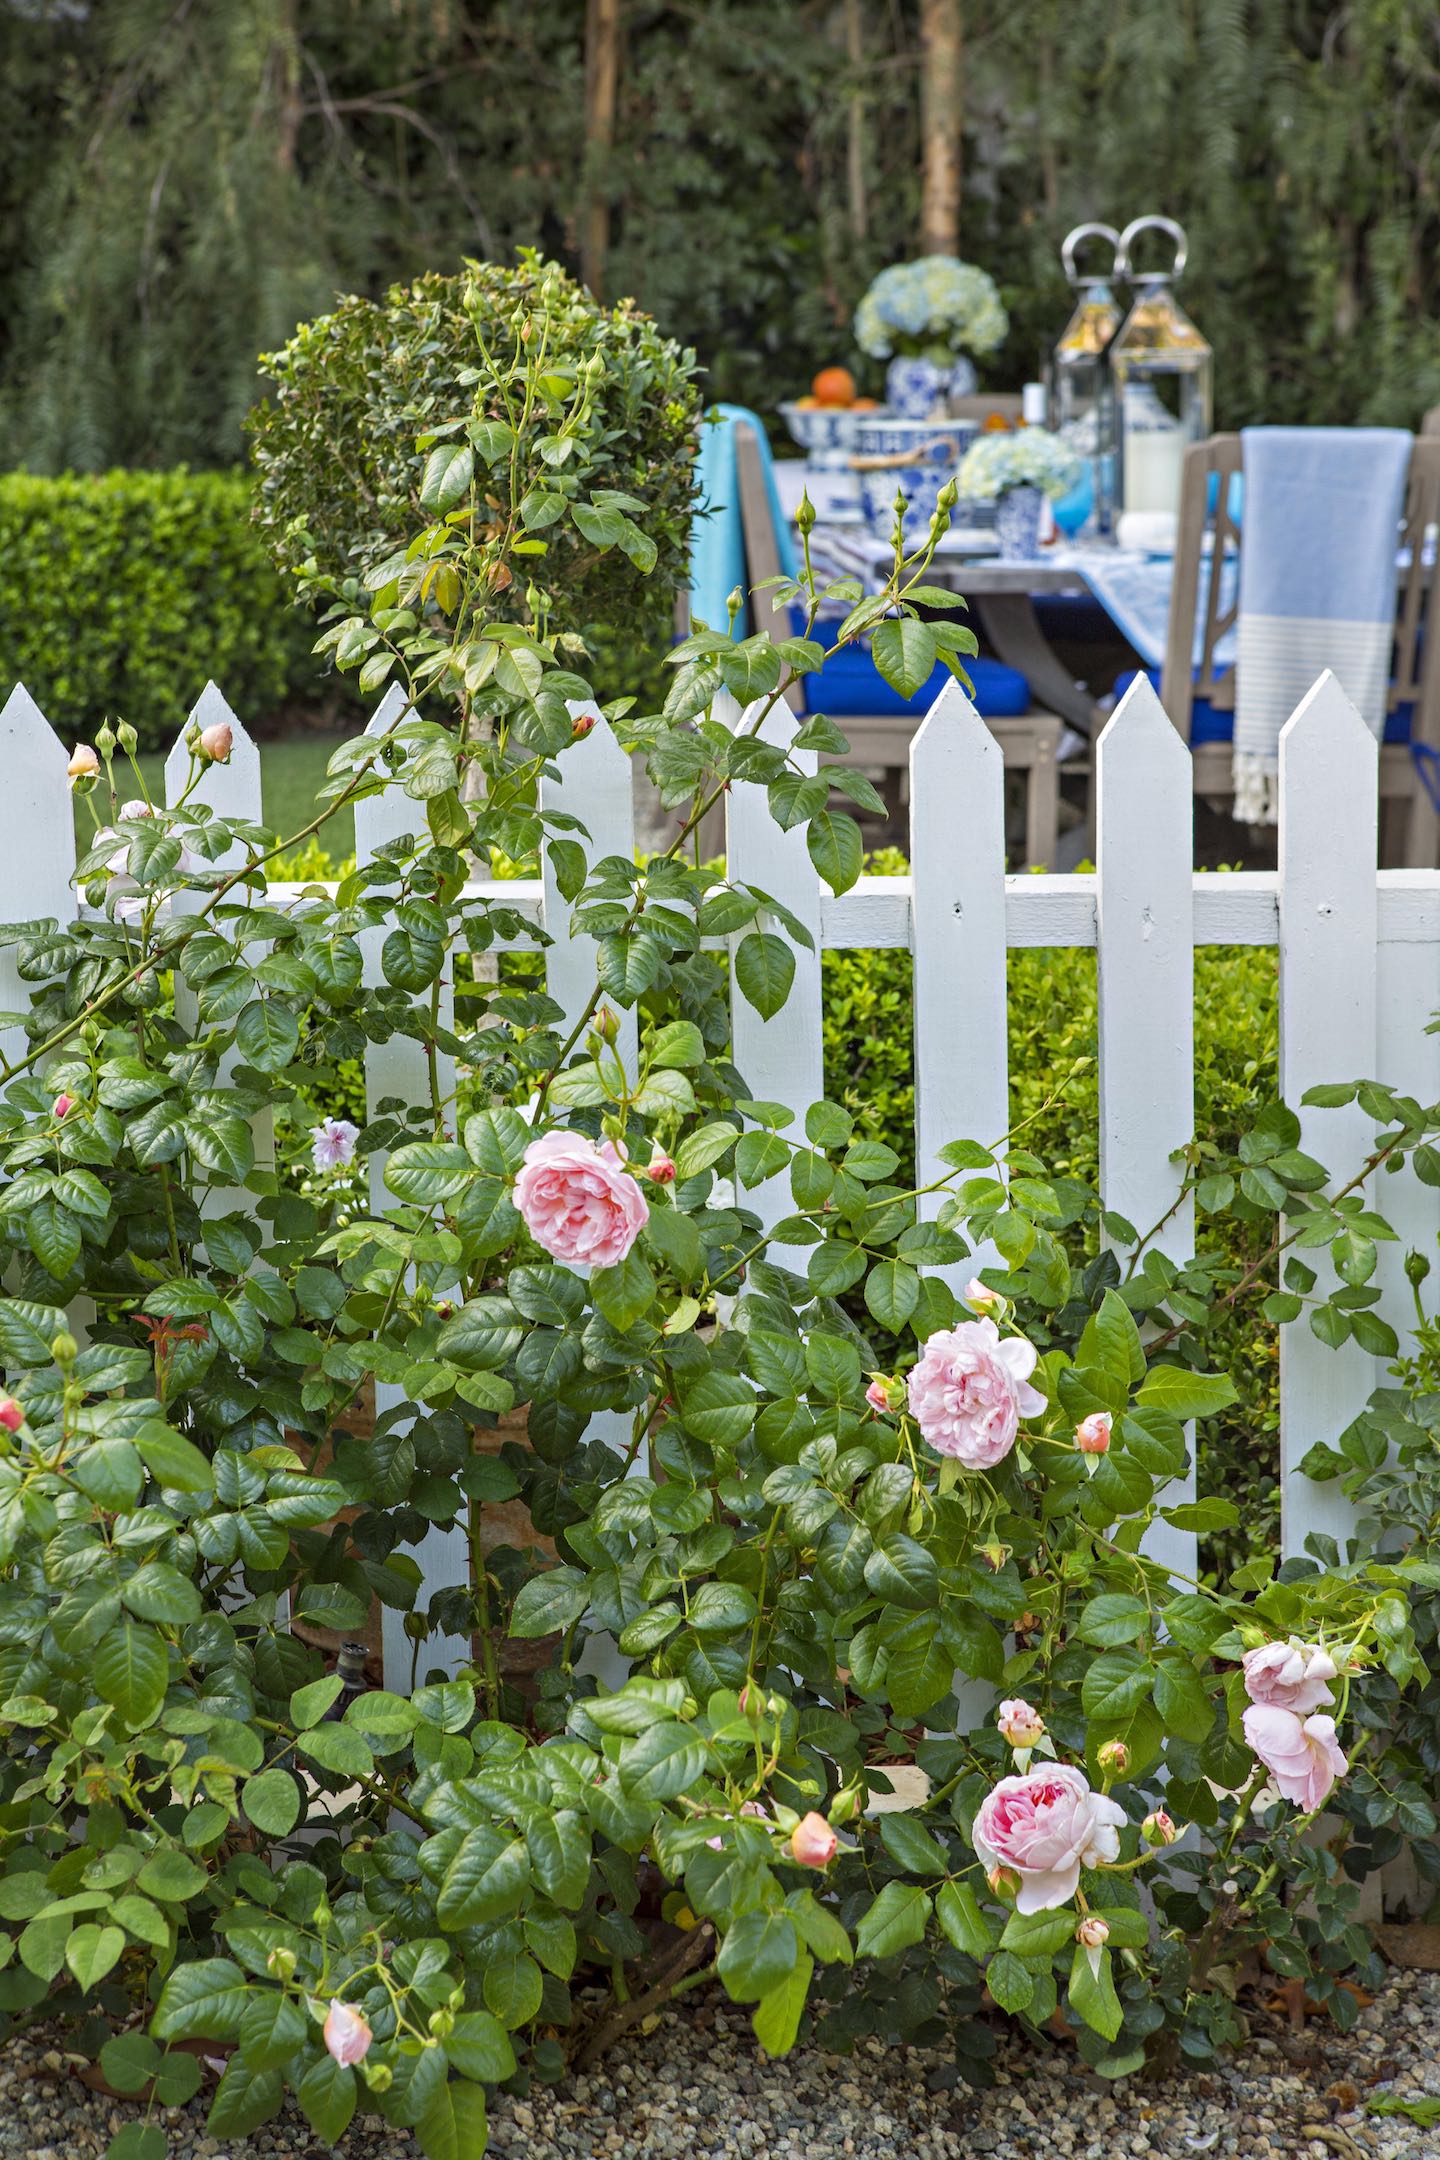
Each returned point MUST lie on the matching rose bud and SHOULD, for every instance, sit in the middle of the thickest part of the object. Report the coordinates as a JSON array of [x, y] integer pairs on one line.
[[1093, 1932], [12, 1417], [660, 1169], [347, 2036], [281, 1963], [582, 724], [217, 741], [1020, 1725], [812, 1842], [84, 762], [1114, 1758], [62, 1106], [982, 1299], [1004, 1884], [877, 1397], [1158, 1829], [1092, 1434]]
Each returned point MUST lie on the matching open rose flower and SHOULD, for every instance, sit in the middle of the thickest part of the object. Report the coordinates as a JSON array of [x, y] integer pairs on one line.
[[970, 1390], [1046, 1826], [1302, 1756], [347, 2036], [1020, 1725], [332, 1144], [578, 1200], [1290, 1676]]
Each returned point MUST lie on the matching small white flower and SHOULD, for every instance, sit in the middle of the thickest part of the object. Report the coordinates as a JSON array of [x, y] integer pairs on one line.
[[332, 1144]]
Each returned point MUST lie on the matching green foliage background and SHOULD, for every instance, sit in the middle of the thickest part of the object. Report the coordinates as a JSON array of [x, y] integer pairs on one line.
[[186, 184]]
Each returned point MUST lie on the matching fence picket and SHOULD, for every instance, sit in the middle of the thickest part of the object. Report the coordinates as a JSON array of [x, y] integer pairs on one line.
[[1145, 939], [1328, 922], [593, 783], [37, 862], [781, 1059], [230, 790], [400, 1068], [957, 943]]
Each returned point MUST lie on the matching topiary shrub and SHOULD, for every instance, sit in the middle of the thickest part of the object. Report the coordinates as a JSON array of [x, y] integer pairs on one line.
[[126, 592], [386, 410]]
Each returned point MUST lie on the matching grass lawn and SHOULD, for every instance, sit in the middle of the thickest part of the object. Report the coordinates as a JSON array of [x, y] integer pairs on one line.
[[292, 769]]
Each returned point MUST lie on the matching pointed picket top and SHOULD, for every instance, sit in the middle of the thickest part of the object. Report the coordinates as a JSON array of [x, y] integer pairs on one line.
[[232, 789], [392, 813], [593, 783], [957, 939], [37, 863], [1327, 896], [1140, 727]]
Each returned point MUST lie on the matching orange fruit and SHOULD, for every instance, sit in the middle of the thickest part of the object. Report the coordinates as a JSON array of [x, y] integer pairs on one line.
[[834, 386], [807, 404], [865, 404]]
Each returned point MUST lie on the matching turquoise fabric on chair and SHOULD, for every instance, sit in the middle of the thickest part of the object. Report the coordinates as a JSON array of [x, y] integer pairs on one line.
[[717, 542]]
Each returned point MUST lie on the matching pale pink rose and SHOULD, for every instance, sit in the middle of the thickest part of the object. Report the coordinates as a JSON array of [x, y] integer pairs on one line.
[[84, 762], [332, 1144], [1046, 1826], [578, 1200], [970, 1390], [217, 740], [1093, 1932], [1092, 1434], [877, 1395], [62, 1106], [347, 2036], [137, 807], [812, 1842], [1304, 1758], [1290, 1676], [660, 1169], [981, 1298], [1019, 1724], [12, 1417]]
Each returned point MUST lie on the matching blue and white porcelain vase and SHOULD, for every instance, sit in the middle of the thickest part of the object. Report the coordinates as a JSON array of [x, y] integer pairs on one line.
[[1017, 523], [916, 386]]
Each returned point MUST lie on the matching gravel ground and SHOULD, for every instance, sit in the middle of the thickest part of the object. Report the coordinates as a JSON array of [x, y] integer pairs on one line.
[[698, 2087]]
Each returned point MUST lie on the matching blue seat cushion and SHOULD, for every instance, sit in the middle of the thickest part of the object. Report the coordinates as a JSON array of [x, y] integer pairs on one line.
[[1207, 725], [850, 682]]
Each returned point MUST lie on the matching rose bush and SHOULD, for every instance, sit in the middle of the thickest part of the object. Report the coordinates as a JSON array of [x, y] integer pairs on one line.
[[818, 1554]]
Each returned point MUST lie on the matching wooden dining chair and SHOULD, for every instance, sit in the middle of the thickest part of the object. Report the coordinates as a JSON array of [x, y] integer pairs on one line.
[[1200, 697], [1029, 742]]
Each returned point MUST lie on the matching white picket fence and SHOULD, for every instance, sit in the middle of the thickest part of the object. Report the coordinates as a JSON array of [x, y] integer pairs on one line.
[[1359, 967]]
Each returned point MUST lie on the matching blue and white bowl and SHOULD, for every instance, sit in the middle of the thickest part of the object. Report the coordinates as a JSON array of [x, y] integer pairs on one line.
[[884, 435], [824, 432]]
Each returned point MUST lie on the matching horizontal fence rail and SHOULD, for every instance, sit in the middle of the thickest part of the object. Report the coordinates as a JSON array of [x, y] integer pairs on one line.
[[1358, 961]]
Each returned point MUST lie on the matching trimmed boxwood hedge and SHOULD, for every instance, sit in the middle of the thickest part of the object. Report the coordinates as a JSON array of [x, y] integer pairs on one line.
[[123, 593]]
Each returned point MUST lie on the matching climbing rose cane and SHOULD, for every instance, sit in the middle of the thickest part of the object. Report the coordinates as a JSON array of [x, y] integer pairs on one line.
[[578, 1200], [1304, 1758], [970, 1390], [1046, 1826], [347, 2036]]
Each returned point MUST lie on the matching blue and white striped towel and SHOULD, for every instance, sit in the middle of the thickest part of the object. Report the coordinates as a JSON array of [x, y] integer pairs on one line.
[[1317, 585]]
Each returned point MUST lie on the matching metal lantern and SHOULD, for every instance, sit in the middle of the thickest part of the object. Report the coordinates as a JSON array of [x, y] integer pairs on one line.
[[1081, 408], [1160, 371]]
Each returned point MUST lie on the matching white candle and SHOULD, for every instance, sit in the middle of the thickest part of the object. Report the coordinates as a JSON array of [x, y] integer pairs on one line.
[[1152, 468]]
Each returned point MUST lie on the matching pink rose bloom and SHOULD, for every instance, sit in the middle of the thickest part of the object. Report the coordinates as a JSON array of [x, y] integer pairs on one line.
[[347, 2036], [1092, 1434], [878, 1397], [1303, 1758], [661, 1169], [812, 1842], [970, 1390], [1289, 1676], [578, 1200], [1046, 1826], [12, 1417], [217, 741], [332, 1144], [62, 1106], [980, 1297]]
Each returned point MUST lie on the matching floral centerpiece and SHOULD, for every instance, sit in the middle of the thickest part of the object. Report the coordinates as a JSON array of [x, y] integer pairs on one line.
[[927, 318], [1016, 471]]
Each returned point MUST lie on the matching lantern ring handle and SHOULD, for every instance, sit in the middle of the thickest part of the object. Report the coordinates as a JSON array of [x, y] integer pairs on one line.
[[1086, 232], [1151, 224]]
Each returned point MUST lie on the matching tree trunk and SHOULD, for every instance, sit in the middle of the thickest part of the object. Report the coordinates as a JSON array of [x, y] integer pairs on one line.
[[855, 144], [602, 75], [940, 103]]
